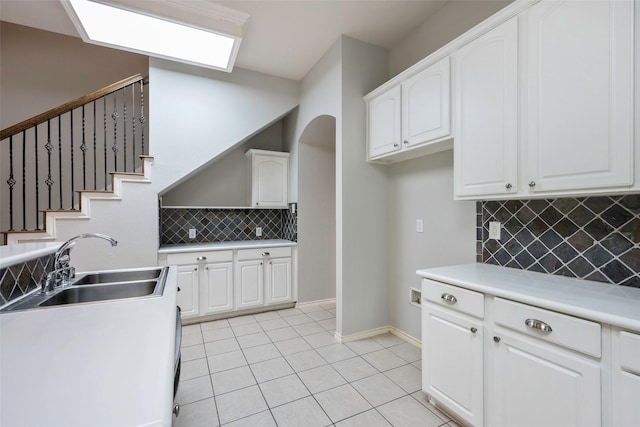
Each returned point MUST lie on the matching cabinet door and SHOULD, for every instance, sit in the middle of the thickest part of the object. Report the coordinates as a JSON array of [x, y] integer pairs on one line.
[[270, 184], [217, 290], [384, 123], [626, 378], [248, 284], [580, 94], [425, 105], [278, 286], [452, 362], [187, 296], [541, 385], [486, 105]]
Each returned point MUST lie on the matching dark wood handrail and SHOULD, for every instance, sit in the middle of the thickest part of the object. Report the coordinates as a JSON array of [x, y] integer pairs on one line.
[[64, 108]]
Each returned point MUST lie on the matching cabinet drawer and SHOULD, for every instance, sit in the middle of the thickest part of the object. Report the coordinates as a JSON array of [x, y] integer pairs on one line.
[[453, 297], [195, 257], [281, 252], [630, 351], [567, 331]]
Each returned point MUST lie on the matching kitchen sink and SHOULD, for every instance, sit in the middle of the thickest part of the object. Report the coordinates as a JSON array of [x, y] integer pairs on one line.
[[117, 276], [98, 286], [75, 295]]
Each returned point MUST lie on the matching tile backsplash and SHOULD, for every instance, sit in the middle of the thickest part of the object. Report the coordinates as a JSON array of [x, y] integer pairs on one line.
[[223, 225], [19, 279], [593, 238]]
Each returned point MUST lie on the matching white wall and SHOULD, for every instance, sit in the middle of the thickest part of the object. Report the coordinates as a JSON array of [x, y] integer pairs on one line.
[[423, 189], [450, 21], [199, 114], [224, 180], [363, 246]]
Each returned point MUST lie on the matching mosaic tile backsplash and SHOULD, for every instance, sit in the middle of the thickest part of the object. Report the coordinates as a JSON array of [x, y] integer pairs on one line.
[[22, 278], [224, 225], [592, 238]]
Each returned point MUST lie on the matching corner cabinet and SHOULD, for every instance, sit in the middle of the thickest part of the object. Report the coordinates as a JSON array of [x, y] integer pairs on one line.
[[268, 178], [412, 118], [544, 103]]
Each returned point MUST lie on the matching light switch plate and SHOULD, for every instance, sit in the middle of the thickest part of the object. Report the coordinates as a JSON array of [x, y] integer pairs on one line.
[[494, 230]]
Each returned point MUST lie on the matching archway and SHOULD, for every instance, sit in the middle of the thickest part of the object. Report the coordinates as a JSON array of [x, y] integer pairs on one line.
[[317, 210]]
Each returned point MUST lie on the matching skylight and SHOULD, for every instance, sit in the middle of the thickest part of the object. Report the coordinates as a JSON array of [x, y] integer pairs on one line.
[[135, 31]]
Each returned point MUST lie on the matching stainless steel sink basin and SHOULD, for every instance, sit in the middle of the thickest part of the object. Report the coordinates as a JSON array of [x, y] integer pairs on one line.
[[96, 287], [75, 295], [117, 276]]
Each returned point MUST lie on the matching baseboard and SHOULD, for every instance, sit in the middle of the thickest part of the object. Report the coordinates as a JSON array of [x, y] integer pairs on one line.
[[377, 331], [397, 332], [319, 301]]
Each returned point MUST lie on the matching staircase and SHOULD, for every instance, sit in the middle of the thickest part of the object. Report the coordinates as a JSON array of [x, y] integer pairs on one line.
[[55, 164]]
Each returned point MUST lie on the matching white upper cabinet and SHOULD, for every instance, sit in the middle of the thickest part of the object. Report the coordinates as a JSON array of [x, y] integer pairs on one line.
[[486, 99], [268, 178], [425, 105], [579, 81], [545, 100], [384, 123], [412, 118]]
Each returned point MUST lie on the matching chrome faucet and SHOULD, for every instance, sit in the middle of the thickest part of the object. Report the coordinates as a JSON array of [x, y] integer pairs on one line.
[[62, 271]]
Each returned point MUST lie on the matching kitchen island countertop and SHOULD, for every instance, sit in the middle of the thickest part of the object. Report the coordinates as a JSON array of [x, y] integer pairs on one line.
[[95, 364]]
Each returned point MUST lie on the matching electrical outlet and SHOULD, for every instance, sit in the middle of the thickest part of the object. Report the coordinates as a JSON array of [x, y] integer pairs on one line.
[[192, 233], [258, 231], [494, 230], [419, 226]]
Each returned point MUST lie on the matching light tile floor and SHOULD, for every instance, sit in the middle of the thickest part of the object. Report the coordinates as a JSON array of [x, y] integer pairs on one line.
[[284, 368]]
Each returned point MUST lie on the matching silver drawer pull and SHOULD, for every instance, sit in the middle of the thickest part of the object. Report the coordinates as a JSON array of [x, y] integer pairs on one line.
[[538, 324], [449, 298], [265, 254], [201, 258]]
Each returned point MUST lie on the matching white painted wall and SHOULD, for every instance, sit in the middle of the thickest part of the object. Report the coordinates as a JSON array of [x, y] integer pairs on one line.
[[363, 245], [223, 182], [450, 21], [199, 114], [423, 189]]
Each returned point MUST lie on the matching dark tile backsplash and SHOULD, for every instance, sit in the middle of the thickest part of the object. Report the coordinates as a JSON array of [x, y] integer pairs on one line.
[[19, 279], [223, 225], [593, 238]]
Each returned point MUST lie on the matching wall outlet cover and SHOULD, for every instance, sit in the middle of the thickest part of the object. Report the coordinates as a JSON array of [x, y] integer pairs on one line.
[[258, 231], [192, 233], [494, 230], [419, 226]]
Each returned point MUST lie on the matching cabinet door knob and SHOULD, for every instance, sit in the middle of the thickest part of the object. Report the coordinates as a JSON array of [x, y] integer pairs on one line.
[[532, 183], [405, 142], [538, 324], [201, 258], [396, 145], [266, 253], [496, 339], [474, 330], [449, 298], [178, 288], [508, 186]]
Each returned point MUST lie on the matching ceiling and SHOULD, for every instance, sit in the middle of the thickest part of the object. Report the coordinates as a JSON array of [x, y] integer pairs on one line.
[[283, 38]]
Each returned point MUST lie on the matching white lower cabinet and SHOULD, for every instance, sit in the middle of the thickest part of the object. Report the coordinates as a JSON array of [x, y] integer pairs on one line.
[[188, 284], [452, 361], [221, 281], [217, 289], [626, 378], [499, 362], [542, 385], [249, 286]]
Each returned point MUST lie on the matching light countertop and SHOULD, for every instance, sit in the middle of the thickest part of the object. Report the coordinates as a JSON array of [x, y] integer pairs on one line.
[[212, 246], [606, 303], [21, 252], [96, 364]]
